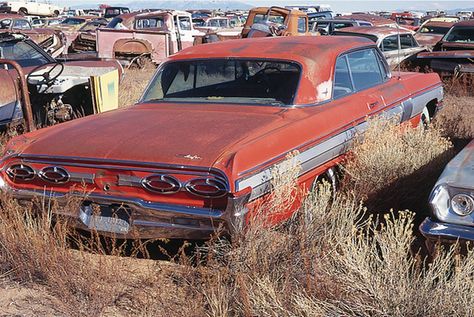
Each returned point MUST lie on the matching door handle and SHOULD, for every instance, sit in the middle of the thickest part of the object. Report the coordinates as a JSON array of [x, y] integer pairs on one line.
[[373, 104]]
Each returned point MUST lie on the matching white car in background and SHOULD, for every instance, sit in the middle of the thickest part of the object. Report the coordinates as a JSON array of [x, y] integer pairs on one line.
[[24, 7]]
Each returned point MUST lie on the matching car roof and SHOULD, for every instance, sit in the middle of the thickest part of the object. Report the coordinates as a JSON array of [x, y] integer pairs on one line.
[[439, 23], [11, 16], [379, 31], [465, 23], [316, 55]]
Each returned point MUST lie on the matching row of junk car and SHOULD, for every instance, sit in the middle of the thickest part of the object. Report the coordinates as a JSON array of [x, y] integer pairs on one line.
[[233, 95]]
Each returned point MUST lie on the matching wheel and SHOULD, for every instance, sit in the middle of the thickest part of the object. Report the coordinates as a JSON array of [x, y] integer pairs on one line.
[[56, 13], [425, 118], [22, 11]]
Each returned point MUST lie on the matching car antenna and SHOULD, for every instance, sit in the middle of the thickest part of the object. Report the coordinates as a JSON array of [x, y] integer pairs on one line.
[[399, 43]]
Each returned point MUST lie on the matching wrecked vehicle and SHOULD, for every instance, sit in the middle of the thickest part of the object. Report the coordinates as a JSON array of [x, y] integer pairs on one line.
[[87, 39], [219, 121], [264, 22], [327, 27], [71, 27], [25, 7], [58, 91], [112, 12], [431, 32], [155, 36], [452, 202], [397, 45], [454, 53], [51, 41]]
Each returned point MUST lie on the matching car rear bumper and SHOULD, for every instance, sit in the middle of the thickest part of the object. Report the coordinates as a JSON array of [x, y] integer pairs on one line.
[[446, 232], [148, 220]]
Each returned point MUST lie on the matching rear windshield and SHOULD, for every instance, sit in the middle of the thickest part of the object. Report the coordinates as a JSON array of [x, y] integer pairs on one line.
[[263, 82], [434, 29], [73, 21], [461, 34]]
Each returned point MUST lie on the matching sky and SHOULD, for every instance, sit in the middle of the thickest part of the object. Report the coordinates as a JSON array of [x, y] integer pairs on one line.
[[337, 5]]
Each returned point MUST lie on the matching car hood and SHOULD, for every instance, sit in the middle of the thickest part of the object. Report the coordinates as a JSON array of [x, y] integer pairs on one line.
[[460, 170], [187, 134], [428, 39]]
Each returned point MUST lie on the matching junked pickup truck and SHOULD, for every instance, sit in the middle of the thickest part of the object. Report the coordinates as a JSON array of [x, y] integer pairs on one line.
[[211, 127], [154, 36], [263, 22]]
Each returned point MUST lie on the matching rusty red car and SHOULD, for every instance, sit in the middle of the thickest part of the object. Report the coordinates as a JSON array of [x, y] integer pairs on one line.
[[197, 151]]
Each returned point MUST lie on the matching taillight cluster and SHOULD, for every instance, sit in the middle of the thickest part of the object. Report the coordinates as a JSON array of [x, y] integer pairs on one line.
[[51, 174], [206, 187]]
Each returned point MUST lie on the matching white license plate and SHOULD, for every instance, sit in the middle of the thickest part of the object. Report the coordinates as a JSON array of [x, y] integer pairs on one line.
[[102, 223]]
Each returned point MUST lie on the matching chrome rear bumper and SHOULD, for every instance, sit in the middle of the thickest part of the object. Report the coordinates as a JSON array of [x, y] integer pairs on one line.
[[148, 220], [433, 230]]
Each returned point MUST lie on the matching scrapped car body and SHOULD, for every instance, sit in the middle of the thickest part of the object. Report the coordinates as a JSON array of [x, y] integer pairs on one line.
[[25, 7], [397, 45], [264, 22], [452, 201], [155, 35], [454, 53], [375, 20], [59, 91], [327, 27], [86, 40], [51, 41], [200, 146], [431, 32]]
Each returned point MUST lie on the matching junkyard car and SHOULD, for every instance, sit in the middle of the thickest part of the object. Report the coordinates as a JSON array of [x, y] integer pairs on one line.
[[327, 27], [24, 7], [454, 54], [51, 41], [431, 32], [198, 150], [452, 201], [58, 91], [397, 45]]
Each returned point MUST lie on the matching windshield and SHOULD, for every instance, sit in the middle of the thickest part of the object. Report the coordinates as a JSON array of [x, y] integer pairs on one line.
[[264, 82], [73, 21], [460, 34], [434, 29], [23, 53]]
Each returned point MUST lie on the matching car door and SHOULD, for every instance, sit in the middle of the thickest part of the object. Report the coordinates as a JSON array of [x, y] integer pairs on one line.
[[390, 46], [185, 29], [375, 85], [408, 46]]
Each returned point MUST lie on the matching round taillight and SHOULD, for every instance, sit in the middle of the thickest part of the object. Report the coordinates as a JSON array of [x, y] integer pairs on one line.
[[163, 184], [207, 187], [21, 171], [54, 174]]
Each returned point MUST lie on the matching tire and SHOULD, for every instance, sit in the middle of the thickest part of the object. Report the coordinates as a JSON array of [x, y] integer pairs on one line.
[[56, 13], [425, 118], [22, 11]]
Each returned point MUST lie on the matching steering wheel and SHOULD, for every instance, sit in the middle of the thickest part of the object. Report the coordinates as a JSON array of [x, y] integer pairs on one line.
[[48, 77]]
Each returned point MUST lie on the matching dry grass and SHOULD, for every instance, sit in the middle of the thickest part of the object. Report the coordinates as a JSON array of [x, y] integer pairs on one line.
[[134, 83], [388, 163], [334, 257]]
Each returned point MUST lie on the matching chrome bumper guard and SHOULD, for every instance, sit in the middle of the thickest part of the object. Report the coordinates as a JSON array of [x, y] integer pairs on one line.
[[433, 230], [150, 220]]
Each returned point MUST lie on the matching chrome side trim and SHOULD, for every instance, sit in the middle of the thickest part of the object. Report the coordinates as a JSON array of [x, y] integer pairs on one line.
[[336, 145]]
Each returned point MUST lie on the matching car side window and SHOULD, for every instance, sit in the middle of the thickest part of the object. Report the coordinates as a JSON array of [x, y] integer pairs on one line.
[[342, 78], [184, 23], [407, 41], [21, 25], [390, 43], [364, 68], [302, 25]]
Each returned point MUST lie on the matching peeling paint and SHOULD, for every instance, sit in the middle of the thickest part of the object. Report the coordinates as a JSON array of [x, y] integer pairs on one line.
[[324, 91]]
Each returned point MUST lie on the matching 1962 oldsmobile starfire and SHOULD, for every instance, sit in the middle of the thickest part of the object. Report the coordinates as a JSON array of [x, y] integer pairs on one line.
[[197, 151]]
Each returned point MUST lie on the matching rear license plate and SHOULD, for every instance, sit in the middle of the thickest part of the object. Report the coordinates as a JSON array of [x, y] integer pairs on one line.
[[107, 218]]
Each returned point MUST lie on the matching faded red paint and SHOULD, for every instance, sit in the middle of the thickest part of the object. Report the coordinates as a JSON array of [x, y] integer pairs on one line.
[[238, 140]]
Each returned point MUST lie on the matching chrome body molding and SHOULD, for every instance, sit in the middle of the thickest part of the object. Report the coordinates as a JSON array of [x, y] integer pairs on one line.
[[150, 220], [337, 145]]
